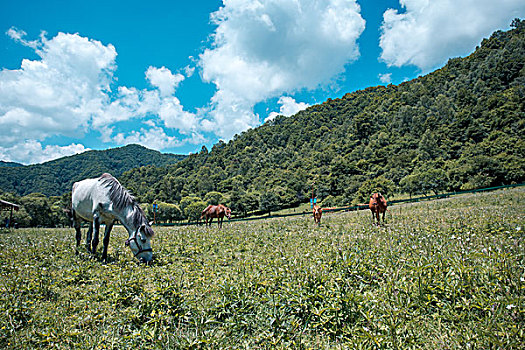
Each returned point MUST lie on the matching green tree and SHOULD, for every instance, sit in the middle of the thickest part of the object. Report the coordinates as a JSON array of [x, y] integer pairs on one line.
[[379, 184], [250, 201], [410, 184], [37, 206], [268, 201], [194, 210], [168, 212], [214, 198], [187, 201]]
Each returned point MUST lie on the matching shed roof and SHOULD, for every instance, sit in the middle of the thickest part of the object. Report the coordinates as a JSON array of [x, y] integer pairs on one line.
[[8, 205]]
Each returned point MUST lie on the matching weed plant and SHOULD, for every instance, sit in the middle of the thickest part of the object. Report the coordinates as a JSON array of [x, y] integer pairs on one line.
[[446, 274]]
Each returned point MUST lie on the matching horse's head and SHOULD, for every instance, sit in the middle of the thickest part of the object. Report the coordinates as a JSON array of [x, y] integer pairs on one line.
[[228, 212], [140, 244], [376, 196]]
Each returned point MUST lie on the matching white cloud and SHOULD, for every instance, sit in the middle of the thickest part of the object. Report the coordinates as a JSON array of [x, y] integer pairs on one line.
[[154, 138], [429, 32], [288, 107], [265, 48], [174, 116], [385, 78], [18, 36], [164, 80], [189, 71], [31, 152], [260, 50], [67, 91], [58, 94]]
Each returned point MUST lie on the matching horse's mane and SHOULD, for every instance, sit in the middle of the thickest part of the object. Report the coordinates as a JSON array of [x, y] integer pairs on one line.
[[121, 199]]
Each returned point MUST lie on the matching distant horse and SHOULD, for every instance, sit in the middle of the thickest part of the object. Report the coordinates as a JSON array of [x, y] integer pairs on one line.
[[377, 205], [216, 211], [318, 212], [104, 200]]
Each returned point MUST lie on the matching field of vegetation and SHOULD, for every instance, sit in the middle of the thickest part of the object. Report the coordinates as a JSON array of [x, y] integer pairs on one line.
[[446, 274]]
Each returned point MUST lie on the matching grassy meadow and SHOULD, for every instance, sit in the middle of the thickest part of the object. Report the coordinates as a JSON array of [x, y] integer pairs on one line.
[[446, 274]]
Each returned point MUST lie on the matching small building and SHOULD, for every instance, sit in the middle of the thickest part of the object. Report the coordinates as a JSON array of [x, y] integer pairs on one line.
[[7, 206]]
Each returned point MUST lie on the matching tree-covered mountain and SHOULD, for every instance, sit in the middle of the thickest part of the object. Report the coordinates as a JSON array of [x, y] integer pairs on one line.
[[10, 164], [459, 127], [57, 176]]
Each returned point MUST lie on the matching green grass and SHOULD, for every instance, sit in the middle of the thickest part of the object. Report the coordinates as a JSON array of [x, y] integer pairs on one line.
[[447, 274]]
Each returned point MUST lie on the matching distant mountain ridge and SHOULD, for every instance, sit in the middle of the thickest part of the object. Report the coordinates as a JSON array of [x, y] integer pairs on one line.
[[56, 177], [10, 164]]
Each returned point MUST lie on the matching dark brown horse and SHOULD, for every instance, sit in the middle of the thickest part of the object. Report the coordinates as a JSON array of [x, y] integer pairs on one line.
[[318, 212], [216, 211], [377, 205]]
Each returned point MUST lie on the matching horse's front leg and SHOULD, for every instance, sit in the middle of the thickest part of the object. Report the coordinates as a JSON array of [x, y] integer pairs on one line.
[[96, 229], [384, 217], [88, 237], [106, 241], [219, 222]]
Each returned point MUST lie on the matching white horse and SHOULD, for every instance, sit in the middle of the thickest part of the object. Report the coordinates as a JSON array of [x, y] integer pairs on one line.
[[104, 200]]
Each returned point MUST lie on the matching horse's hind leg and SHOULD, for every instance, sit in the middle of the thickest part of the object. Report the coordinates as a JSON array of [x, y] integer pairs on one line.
[[78, 236], [106, 241]]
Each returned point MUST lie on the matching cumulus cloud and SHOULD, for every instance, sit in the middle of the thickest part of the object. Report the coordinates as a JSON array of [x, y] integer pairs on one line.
[[18, 36], [67, 91], [427, 33], [31, 152], [58, 94], [265, 48], [385, 78], [189, 71], [288, 107], [164, 80], [153, 137]]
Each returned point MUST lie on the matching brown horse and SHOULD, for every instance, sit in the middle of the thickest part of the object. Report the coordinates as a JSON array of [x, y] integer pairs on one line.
[[318, 212], [216, 211], [377, 205]]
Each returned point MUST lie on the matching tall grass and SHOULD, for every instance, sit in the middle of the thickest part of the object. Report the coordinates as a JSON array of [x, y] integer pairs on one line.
[[445, 274]]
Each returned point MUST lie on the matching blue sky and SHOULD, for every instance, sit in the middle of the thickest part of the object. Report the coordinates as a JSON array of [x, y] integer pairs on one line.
[[176, 75]]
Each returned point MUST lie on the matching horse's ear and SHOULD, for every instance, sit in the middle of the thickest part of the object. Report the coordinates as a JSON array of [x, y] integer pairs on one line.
[[150, 223]]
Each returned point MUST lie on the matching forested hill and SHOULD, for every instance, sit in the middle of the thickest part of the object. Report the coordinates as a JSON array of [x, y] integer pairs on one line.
[[459, 127], [10, 164], [57, 176]]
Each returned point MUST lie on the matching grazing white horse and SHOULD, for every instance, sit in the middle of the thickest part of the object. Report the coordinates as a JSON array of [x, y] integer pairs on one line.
[[104, 200]]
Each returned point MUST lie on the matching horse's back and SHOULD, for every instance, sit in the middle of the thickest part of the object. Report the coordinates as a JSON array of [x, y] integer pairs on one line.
[[86, 196], [214, 211]]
